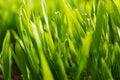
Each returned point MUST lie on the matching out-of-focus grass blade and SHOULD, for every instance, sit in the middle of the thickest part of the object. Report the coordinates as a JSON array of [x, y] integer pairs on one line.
[[58, 65], [27, 35], [106, 70], [35, 51], [20, 60], [6, 57], [99, 24], [47, 75], [46, 72], [43, 3], [19, 57], [49, 41], [84, 54], [48, 34], [27, 4], [113, 11], [117, 51], [72, 18], [73, 52]]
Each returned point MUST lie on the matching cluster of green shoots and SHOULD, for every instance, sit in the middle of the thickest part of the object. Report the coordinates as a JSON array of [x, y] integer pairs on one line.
[[60, 39]]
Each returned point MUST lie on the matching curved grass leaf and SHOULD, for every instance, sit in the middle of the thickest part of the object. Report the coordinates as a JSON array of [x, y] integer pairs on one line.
[[84, 55], [6, 57]]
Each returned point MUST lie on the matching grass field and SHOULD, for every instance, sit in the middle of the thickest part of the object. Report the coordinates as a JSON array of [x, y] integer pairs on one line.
[[59, 40]]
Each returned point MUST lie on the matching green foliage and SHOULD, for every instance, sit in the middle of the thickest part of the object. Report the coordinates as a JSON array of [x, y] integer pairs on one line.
[[60, 39], [6, 57]]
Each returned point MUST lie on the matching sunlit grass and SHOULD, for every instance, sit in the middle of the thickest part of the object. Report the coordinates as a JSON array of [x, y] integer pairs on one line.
[[60, 39]]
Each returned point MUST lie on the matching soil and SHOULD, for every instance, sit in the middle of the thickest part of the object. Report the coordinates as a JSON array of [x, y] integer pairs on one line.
[[15, 73]]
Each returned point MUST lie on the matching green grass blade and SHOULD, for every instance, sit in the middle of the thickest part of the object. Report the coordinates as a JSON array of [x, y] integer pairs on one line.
[[19, 57], [99, 24], [84, 54], [45, 68], [6, 57], [106, 69]]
